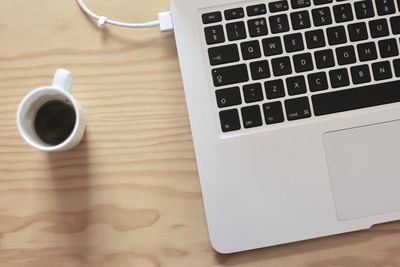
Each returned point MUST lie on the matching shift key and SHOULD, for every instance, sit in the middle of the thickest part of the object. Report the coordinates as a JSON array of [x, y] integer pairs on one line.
[[230, 75]]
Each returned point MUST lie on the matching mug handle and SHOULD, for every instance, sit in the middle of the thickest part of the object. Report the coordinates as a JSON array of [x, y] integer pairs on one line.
[[63, 80]]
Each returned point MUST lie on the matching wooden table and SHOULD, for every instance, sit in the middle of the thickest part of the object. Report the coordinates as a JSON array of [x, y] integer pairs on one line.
[[129, 194]]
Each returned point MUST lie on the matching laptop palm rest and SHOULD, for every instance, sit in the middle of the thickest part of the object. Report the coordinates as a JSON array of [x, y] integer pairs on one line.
[[364, 167]]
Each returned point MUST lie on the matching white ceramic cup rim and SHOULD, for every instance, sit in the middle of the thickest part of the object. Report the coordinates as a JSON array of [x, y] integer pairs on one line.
[[35, 94]]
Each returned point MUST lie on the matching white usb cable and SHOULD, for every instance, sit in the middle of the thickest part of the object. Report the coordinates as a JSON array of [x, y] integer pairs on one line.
[[164, 20]]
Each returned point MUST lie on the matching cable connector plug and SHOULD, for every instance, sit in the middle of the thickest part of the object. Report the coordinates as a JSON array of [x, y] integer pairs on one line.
[[165, 20], [166, 23]]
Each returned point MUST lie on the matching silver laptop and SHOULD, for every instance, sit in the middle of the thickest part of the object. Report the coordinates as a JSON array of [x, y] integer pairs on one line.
[[295, 114]]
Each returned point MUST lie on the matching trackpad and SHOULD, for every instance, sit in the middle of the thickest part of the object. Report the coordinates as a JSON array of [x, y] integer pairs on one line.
[[364, 166]]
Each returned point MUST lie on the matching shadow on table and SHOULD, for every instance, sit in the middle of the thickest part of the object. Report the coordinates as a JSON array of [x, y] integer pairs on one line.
[[316, 245], [70, 174]]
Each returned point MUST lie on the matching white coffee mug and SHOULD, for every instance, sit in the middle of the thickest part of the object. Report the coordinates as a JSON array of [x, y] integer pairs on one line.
[[60, 90]]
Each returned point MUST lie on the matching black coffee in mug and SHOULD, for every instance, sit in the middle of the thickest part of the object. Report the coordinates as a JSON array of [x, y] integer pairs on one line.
[[54, 122]]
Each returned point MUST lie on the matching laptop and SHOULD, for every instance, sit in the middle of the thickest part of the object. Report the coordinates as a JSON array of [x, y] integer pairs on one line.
[[295, 116]]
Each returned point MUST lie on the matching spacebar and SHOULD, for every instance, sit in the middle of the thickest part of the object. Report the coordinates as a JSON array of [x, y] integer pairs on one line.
[[356, 98]]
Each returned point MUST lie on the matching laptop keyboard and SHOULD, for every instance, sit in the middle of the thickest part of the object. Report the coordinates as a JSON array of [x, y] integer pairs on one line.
[[280, 61]]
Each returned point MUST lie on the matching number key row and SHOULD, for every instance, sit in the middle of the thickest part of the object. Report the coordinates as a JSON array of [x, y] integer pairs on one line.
[[258, 27]]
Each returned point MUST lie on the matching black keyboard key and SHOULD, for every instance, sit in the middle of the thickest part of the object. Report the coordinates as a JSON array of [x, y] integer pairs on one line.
[[257, 27], [272, 46], [336, 35], [367, 51], [250, 50], [385, 7], [360, 74], [281, 66], [343, 13], [303, 62], [236, 31], [324, 59], [346, 55], [395, 23], [315, 39], [214, 34], [379, 28], [251, 117], [296, 85], [396, 64], [356, 98], [256, 10], [358, 32], [230, 75], [322, 2], [223, 54], [211, 17], [230, 120], [278, 6], [236, 13], [322, 16], [293, 42], [253, 93], [273, 113], [279, 23], [274, 89], [300, 20], [317, 82], [364, 9], [300, 3], [339, 78], [298, 108], [382, 71], [260, 70], [388, 48], [228, 97]]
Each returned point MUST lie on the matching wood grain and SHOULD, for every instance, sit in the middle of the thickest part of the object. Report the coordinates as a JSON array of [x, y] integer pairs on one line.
[[129, 194]]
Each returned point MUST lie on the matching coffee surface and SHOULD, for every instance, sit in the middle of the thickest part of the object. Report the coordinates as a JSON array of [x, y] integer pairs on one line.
[[54, 122]]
